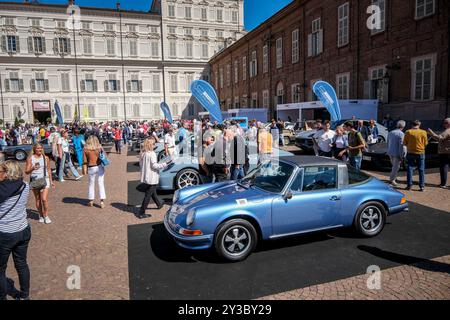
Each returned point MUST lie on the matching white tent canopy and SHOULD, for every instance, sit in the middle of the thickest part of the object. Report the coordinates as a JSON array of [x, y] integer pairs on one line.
[[258, 114], [360, 109]]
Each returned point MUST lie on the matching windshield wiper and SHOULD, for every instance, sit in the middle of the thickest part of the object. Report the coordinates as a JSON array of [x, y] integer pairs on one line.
[[246, 183]]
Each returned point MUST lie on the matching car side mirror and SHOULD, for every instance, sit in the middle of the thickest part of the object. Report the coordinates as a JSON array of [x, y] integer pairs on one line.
[[288, 195]]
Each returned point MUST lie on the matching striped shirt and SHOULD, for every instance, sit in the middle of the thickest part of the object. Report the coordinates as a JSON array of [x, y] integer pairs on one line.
[[16, 219]]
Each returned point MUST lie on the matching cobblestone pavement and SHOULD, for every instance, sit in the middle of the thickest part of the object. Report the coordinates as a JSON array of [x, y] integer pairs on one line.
[[96, 241], [408, 282], [91, 238]]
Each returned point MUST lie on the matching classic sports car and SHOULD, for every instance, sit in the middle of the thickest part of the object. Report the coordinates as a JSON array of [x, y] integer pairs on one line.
[[184, 171], [304, 140], [21, 152], [295, 195], [377, 155]]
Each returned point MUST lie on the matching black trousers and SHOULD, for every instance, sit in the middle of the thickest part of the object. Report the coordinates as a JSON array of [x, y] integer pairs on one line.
[[17, 245], [444, 160], [117, 144], [150, 193]]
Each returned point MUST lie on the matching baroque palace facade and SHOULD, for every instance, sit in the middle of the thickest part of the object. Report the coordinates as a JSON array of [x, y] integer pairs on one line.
[[50, 53]]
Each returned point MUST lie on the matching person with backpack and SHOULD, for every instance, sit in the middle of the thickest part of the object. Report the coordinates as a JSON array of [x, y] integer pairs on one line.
[[356, 144]]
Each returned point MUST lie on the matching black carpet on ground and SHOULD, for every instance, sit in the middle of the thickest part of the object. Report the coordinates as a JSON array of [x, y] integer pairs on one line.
[[133, 166], [132, 153], [135, 197], [159, 269]]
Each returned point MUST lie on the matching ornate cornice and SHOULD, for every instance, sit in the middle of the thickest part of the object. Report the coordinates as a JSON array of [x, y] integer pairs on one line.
[[86, 33], [108, 34], [132, 35], [86, 11], [9, 29]]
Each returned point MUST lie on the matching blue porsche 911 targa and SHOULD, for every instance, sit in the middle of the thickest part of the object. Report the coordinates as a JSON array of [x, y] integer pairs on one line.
[[279, 198]]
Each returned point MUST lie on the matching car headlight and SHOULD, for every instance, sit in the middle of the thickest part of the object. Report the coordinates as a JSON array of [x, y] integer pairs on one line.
[[190, 217]]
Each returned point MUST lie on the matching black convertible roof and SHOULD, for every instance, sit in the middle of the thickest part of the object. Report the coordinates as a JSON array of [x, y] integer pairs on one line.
[[312, 160]]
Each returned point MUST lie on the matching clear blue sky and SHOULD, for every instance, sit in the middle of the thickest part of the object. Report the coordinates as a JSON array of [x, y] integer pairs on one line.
[[256, 11]]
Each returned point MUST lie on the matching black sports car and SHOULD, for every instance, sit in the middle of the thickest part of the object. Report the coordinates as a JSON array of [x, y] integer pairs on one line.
[[376, 155]]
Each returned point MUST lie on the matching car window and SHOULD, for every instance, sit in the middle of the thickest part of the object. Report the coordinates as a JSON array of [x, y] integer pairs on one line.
[[320, 178], [355, 177], [296, 185], [270, 176]]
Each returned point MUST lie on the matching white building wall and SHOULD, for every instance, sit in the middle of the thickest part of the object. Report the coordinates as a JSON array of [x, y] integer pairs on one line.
[[100, 64]]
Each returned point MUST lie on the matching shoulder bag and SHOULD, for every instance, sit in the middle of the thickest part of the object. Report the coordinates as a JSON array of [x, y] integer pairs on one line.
[[103, 159], [40, 183]]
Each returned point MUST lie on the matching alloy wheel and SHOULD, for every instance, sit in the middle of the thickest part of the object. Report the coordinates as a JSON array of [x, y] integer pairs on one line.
[[236, 240], [371, 219]]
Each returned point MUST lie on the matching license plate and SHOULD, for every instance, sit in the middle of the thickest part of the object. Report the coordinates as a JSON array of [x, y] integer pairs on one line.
[[366, 158]]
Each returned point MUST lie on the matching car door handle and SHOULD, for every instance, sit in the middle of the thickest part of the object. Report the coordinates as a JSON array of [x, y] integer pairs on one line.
[[335, 198]]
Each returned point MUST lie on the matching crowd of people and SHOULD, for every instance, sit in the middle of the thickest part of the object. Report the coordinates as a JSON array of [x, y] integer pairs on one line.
[[402, 147], [223, 152]]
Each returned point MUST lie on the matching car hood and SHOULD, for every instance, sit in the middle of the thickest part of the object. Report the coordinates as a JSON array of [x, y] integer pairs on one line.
[[306, 134], [378, 148], [223, 194]]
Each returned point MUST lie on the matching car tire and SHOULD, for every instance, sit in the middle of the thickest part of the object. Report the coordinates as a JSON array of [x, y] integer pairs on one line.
[[160, 156], [370, 219], [381, 139], [187, 178], [20, 155], [239, 230]]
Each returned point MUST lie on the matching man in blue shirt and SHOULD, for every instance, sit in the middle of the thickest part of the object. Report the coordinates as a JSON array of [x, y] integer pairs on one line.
[[396, 150]]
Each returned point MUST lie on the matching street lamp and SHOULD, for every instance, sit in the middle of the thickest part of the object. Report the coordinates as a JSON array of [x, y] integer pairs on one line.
[[123, 67], [76, 67], [1, 98]]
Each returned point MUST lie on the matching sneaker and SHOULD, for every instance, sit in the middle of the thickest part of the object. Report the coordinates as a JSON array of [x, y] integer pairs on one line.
[[78, 178], [443, 187], [102, 205], [41, 219], [91, 204], [422, 189], [62, 180], [394, 183], [408, 188], [47, 220]]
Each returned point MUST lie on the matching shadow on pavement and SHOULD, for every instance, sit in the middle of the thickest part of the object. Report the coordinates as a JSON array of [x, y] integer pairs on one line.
[[125, 208], [72, 200], [421, 263], [165, 249], [32, 214]]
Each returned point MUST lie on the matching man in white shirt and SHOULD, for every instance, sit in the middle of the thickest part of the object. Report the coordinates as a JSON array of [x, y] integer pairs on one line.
[[169, 142], [323, 139]]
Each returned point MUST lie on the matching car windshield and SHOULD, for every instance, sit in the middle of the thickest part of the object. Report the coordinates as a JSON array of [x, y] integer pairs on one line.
[[335, 124], [270, 176]]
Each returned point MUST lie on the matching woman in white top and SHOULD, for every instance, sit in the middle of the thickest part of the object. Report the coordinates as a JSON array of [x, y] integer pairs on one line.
[[38, 167], [150, 175], [340, 144]]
